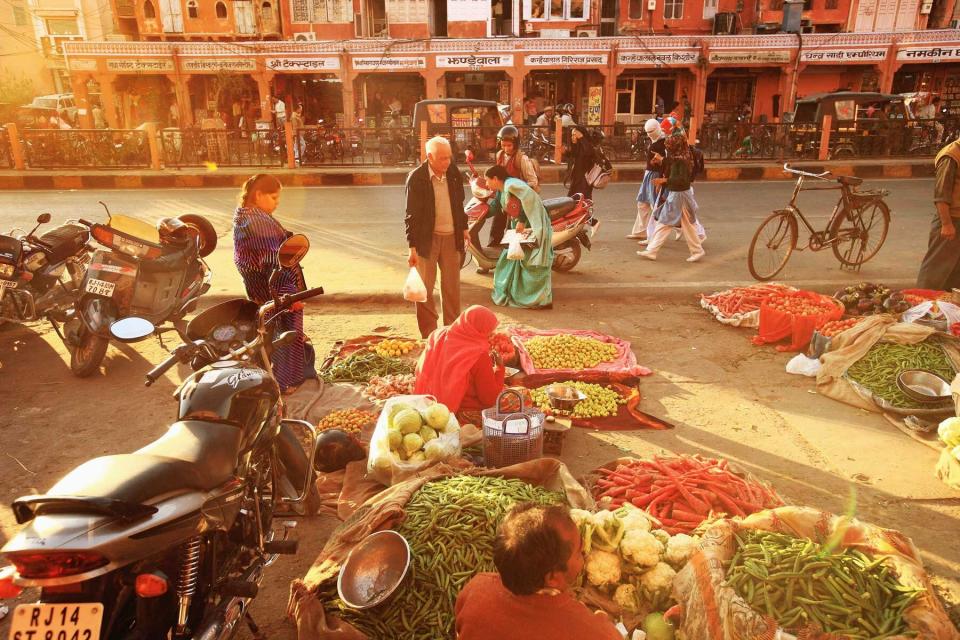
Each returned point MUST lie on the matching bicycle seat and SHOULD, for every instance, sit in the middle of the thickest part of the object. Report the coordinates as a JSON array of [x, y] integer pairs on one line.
[[850, 181]]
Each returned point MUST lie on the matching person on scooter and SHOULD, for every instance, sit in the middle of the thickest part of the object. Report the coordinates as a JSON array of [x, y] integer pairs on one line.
[[526, 282], [257, 237], [519, 166]]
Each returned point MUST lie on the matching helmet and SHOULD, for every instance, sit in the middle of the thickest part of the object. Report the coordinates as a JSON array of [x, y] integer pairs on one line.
[[651, 125], [173, 230], [508, 132], [568, 108], [336, 449]]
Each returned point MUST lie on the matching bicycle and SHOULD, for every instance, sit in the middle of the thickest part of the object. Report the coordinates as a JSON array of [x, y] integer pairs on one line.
[[850, 231]]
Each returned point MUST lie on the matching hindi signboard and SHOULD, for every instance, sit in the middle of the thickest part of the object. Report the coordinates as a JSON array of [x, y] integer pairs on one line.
[[844, 55], [217, 65], [474, 61], [306, 65], [657, 58], [398, 63], [566, 60], [749, 57], [928, 54], [140, 65]]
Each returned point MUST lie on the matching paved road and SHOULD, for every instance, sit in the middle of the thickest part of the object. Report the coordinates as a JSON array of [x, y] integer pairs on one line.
[[363, 226]]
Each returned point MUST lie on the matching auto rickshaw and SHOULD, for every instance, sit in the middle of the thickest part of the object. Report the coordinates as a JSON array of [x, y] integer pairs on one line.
[[469, 124], [863, 124]]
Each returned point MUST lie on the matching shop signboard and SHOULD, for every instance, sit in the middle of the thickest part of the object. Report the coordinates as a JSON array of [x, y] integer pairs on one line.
[[389, 63], [468, 10], [566, 60], [140, 65], [749, 57], [594, 104], [215, 65], [474, 61], [844, 55], [82, 65], [928, 54], [303, 65], [657, 58]]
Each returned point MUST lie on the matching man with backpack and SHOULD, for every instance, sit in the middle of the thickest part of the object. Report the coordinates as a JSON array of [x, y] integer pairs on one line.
[[518, 165]]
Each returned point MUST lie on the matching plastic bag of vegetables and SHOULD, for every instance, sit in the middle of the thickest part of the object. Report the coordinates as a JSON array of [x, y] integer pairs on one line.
[[412, 433]]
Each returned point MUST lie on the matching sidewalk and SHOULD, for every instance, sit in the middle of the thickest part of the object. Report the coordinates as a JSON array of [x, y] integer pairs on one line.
[[196, 177]]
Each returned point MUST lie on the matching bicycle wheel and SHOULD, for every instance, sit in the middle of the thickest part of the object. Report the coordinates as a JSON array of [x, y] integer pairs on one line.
[[772, 244], [860, 233]]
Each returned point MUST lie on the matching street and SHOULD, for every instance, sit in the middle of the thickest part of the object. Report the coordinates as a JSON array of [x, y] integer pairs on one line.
[[725, 396]]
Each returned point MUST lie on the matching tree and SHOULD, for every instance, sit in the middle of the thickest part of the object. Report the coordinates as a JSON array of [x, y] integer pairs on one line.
[[16, 91]]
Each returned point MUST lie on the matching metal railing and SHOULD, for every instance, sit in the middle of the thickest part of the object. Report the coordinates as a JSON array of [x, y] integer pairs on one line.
[[751, 141], [223, 147], [87, 148], [6, 153], [362, 146]]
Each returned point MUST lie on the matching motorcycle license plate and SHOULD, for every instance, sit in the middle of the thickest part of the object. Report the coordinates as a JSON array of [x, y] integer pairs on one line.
[[56, 621], [100, 287]]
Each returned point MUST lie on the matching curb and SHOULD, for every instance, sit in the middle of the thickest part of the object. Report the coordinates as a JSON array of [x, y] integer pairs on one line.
[[371, 176]]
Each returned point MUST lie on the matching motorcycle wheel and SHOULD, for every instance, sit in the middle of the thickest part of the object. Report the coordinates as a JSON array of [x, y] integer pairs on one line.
[[86, 356], [564, 262]]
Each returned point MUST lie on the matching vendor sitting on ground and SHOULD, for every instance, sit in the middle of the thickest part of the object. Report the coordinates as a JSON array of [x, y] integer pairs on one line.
[[458, 366], [538, 557]]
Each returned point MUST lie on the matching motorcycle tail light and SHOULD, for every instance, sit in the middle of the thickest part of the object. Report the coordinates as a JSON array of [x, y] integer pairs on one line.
[[151, 585], [103, 235], [45, 565], [7, 588], [7, 270]]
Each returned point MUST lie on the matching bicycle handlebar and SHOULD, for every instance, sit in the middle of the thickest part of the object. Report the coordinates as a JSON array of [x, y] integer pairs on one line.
[[821, 176]]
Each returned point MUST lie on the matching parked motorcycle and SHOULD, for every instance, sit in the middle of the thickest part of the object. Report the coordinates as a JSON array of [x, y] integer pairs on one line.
[[157, 273], [571, 218], [40, 276], [172, 541]]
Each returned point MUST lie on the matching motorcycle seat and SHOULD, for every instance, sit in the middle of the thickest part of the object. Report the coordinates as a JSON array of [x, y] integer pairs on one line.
[[559, 207], [192, 455], [64, 241]]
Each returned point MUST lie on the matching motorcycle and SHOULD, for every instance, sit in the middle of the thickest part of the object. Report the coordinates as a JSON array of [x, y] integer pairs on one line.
[[539, 147], [172, 540], [571, 218], [157, 273], [40, 276]]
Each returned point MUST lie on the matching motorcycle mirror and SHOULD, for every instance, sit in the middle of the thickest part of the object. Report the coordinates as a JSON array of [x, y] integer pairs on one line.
[[44, 218], [132, 329], [293, 250]]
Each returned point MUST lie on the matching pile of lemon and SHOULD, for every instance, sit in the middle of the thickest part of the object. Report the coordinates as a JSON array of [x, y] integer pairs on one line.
[[601, 402], [565, 351], [350, 420], [394, 348]]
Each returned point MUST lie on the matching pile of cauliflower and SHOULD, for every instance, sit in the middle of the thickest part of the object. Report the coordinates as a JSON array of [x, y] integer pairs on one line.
[[626, 556]]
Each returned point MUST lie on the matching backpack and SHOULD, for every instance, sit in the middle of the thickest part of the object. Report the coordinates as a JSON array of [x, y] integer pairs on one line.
[[699, 167]]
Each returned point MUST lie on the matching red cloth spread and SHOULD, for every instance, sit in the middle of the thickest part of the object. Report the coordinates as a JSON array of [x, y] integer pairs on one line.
[[456, 359], [486, 610]]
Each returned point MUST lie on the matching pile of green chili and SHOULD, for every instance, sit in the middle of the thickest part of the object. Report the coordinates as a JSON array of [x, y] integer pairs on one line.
[[802, 584], [450, 525], [879, 368], [363, 365]]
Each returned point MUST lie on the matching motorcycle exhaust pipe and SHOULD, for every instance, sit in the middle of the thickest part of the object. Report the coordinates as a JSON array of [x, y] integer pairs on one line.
[[221, 623]]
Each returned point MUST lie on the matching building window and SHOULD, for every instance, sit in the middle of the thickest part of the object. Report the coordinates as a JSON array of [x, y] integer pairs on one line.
[[149, 12], [19, 15], [221, 11], [193, 11], [672, 9], [556, 9], [62, 27], [333, 11], [266, 12], [636, 9], [831, 4]]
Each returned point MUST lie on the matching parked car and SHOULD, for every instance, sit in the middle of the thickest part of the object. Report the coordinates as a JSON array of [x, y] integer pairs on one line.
[[469, 124], [45, 107]]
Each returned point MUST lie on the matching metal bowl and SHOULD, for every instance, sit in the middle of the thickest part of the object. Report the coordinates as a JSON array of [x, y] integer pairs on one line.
[[374, 570], [564, 397], [923, 386]]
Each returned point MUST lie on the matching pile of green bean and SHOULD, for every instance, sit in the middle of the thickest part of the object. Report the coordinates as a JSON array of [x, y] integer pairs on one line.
[[363, 365], [450, 525], [801, 584], [879, 368]]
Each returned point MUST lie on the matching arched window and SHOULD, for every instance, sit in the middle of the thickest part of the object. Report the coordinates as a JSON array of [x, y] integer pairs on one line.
[[192, 10], [221, 10], [149, 12], [266, 11]]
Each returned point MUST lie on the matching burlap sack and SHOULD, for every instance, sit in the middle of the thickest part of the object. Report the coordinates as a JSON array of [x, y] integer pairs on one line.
[[713, 611], [385, 510], [853, 344]]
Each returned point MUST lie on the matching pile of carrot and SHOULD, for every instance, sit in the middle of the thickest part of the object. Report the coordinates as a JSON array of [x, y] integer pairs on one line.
[[743, 299], [683, 491]]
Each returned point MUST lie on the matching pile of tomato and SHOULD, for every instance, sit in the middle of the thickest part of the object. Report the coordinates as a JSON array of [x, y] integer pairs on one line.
[[801, 305], [835, 327], [501, 343]]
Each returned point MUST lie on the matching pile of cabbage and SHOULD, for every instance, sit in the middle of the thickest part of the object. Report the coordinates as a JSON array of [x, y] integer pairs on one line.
[[629, 559], [414, 435]]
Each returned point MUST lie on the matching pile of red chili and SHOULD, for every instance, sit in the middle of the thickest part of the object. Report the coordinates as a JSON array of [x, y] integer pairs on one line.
[[743, 299], [683, 491]]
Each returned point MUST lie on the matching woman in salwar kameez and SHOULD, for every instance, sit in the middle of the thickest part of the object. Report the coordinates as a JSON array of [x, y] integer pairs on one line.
[[257, 237], [523, 283]]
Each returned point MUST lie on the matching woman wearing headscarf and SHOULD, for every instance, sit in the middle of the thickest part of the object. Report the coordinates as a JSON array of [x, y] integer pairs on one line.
[[647, 196], [677, 207], [582, 159], [458, 366], [257, 237]]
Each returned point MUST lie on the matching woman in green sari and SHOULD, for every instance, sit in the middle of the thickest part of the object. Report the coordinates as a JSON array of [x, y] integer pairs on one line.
[[523, 283]]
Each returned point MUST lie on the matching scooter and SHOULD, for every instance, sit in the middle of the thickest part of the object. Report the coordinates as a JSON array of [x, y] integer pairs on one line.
[[139, 272], [172, 540], [571, 218]]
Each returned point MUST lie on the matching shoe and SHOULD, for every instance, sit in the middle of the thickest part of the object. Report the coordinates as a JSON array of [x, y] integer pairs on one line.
[[634, 236], [647, 255], [643, 242], [696, 257], [677, 235]]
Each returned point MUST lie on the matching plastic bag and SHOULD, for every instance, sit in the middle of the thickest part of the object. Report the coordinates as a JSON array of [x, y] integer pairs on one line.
[[947, 310], [413, 289], [385, 466], [514, 250], [803, 366]]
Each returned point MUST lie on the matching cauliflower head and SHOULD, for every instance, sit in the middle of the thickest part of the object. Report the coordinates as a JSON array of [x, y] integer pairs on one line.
[[633, 518], [661, 535], [679, 549], [641, 548], [607, 531], [657, 583], [603, 568], [626, 598]]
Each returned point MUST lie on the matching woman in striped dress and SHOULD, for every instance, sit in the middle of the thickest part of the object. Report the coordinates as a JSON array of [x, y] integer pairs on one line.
[[257, 237]]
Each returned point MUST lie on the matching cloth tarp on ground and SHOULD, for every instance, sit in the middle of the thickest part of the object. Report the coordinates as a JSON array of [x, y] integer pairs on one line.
[[623, 367], [713, 611], [385, 510]]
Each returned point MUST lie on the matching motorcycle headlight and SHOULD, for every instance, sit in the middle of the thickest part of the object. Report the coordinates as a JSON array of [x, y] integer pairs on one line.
[[6, 270]]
